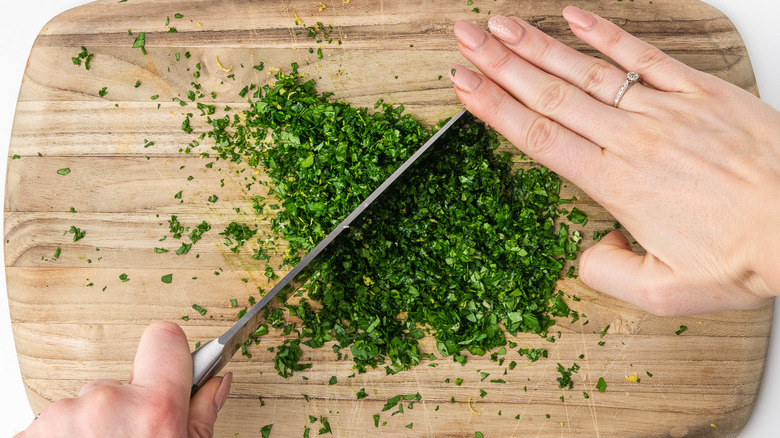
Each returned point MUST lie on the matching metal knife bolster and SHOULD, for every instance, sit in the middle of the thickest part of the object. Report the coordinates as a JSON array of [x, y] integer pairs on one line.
[[212, 356]]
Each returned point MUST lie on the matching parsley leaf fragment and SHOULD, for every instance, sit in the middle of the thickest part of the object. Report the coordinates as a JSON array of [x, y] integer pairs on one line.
[[601, 385]]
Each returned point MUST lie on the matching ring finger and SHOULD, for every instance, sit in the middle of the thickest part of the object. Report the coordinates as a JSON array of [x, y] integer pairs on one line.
[[539, 91], [596, 77]]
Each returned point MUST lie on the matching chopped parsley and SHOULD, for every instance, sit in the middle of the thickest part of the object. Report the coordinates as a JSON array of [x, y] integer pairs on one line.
[[682, 329], [323, 157], [577, 217], [83, 55], [78, 234], [601, 385], [565, 380], [140, 42]]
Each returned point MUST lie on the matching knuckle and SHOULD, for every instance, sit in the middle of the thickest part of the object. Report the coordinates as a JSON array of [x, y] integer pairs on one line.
[[103, 394], [198, 429], [649, 58], [498, 104], [540, 137], [501, 62], [543, 48], [552, 98], [614, 38], [594, 77], [660, 301], [162, 417]]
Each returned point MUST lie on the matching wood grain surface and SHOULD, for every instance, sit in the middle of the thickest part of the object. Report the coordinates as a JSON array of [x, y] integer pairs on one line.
[[704, 381]]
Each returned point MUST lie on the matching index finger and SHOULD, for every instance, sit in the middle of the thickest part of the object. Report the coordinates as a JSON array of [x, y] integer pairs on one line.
[[546, 141]]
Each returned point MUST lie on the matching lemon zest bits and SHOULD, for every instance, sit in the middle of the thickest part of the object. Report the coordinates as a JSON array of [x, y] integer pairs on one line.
[[472, 410], [321, 7], [226, 70], [298, 21], [634, 378]]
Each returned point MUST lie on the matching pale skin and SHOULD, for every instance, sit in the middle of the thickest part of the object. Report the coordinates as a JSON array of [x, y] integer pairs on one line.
[[154, 403], [690, 167]]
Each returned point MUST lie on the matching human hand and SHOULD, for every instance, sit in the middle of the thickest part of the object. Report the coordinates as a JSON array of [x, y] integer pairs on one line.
[[155, 403], [690, 167]]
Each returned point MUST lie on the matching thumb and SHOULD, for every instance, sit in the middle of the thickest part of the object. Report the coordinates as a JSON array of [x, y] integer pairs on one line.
[[163, 363], [205, 405], [611, 267]]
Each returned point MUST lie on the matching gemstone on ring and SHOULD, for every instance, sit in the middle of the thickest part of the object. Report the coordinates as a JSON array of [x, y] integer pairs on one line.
[[631, 79]]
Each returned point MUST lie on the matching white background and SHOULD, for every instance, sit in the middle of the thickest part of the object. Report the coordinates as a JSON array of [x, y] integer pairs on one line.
[[757, 21]]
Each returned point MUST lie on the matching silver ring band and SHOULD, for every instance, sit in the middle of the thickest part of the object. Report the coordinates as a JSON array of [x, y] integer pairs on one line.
[[631, 79]]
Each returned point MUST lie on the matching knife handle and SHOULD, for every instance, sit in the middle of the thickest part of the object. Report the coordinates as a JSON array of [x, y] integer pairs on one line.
[[206, 363]]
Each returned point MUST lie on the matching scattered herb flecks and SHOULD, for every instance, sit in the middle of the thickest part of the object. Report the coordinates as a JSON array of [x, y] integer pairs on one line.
[[83, 55], [601, 385], [78, 234], [565, 380], [140, 42]]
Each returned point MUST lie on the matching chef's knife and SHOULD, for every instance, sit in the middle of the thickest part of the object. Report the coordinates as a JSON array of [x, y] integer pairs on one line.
[[212, 356]]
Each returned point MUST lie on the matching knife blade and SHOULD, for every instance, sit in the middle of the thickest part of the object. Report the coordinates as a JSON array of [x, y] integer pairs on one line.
[[212, 356]]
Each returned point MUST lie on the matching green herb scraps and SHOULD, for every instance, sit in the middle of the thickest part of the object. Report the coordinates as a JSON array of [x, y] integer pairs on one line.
[[83, 55], [463, 247]]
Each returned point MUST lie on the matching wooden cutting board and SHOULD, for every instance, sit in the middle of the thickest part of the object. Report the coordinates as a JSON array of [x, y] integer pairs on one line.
[[74, 320]]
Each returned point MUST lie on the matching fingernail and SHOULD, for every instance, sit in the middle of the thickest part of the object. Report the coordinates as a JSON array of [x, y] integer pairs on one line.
[[579, 18], [507, 30], [464, 78], [222, 392], [469, 34]]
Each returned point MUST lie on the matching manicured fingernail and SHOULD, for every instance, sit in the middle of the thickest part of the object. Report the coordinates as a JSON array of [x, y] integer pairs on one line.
[[507, 30], [464, 78], [579, 18], [222, 392], [469, 34]]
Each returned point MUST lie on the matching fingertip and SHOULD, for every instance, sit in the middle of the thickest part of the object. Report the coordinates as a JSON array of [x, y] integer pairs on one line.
[[464, 79], [206, 404], [163, 358], [224, 390], [607, 265], [579, 18]]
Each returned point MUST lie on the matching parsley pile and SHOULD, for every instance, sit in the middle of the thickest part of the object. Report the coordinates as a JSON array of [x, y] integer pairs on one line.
[[466, 249]]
